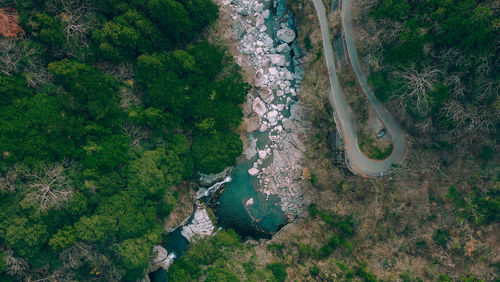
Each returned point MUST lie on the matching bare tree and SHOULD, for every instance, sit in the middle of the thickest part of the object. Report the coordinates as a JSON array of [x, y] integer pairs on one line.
[[8, 182], [471, 122], [78, 19], [416, 87], [76, 255], [15, 52], [488, 88], [49, 187], [81, 253], [135, 133], [17, 267]]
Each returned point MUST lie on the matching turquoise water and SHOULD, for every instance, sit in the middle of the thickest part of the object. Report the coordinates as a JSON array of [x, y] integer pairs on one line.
[[261, 219]]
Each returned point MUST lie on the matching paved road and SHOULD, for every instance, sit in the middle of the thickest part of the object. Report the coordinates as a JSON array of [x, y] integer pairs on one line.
[[356, 161]]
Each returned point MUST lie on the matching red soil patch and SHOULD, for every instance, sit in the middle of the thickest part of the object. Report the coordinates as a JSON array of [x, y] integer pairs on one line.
[[8, 23]]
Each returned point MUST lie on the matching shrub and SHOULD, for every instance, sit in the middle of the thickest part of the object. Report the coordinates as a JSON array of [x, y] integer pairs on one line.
[[314, 271], [278, 270], [441, 237], [313, 210]]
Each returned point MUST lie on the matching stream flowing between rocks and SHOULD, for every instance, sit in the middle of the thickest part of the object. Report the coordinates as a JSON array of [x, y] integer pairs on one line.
[[263, 191]]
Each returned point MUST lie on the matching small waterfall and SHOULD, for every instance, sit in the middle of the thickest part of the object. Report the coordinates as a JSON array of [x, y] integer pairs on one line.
[[204, 192]]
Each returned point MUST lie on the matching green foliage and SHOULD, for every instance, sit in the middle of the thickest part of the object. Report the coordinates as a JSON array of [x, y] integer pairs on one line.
[[307, 43], [487, 153], [278, 270], [49, 31], [12, 88], [444, 278], [409, 276], [210, 252], [136, 253], [3, 261], [26, 238], [122, 154], [394, 9], [212, 153], [216, 274], [313, 210], [365, 274], [477, 206], [314, 271], [127, 36], [441, 237]]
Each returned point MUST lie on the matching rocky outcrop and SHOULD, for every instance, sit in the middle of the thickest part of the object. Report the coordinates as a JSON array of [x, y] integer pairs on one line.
[[161, 258], [200, 226]]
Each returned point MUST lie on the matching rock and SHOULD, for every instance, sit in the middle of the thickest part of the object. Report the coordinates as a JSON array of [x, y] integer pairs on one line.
[[266, 14], [259, 7], [277, 59], [263, 127], [260, 78], [249, 202], [239, 29], [268, 42], [253, 171], [251, 151], [162, 259], [296, 50], [259, 21], [259, 107], [287, 123], [201, 225], [280, 93], [273, 71], [286, 35], [283, 48], [280, 107], [262, 154], [272, 117], [253, 123], [266, 94]]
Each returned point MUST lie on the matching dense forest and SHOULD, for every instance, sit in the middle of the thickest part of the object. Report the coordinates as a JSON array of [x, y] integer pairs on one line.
[[104, 106], [438, 61]]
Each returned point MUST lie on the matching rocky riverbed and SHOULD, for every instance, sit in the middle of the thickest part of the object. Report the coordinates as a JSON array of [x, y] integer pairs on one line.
[[266, 34]]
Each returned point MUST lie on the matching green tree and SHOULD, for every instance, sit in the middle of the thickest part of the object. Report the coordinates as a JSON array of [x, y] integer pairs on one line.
[[173, 18], [278, 270], [96, 228], [12, 88], [136, 253], [223, 274], [25, 237], [213, 153]]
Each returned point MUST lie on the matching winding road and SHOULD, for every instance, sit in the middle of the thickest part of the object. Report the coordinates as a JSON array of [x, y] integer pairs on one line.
[[356, 160]]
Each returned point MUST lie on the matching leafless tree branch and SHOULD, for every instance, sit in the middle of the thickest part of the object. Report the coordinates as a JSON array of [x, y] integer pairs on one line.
[[50, 187]]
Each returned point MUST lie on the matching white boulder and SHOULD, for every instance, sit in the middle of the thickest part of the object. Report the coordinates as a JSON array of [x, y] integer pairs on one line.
[[259, 20], [272, 117], [277, 59], [286, 35], [283, 48], [259, 107], [260, 78], [253, 171], [249, 202], [266, 94]]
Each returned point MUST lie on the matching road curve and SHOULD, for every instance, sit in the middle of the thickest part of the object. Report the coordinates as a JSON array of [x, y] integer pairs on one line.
[[356, 161]]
